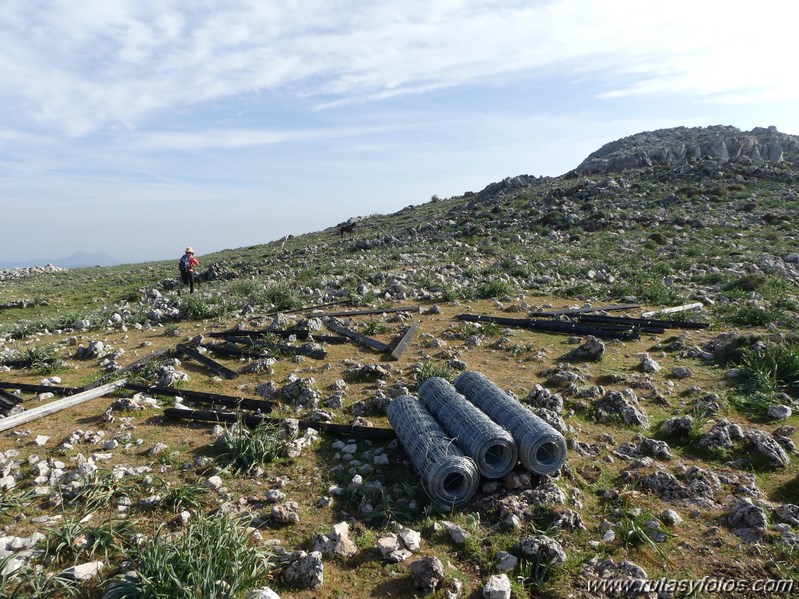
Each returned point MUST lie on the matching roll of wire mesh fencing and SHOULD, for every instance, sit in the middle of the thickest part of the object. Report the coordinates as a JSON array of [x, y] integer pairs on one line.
[[490, 446], [449, 477], [542, 449]]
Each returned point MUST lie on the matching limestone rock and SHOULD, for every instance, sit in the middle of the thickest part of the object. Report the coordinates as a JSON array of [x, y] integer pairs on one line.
[[428, 574]]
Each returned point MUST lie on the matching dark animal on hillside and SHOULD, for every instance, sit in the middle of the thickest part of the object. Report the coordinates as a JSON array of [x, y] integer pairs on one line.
[[346, 228]]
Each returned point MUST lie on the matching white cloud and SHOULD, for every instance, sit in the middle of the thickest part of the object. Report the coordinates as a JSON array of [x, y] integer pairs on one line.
[[83, 66]]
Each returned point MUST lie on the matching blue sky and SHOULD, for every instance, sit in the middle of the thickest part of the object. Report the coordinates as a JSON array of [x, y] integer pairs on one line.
[[138, 127]]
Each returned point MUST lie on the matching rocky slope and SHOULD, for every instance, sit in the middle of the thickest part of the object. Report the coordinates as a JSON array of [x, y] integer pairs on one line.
[[678, 465]]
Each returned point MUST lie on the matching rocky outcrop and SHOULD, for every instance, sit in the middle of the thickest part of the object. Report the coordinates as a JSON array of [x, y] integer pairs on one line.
[[682, 145]]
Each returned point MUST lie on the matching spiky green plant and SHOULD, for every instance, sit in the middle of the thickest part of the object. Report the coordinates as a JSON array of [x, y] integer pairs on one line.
[[431, 368], [244, 449], [213, 558]]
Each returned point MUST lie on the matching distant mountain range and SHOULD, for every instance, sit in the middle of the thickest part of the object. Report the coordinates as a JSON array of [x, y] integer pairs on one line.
[[76, 260]]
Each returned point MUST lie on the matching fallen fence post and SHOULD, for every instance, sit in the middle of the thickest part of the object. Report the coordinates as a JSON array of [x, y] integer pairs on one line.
[[309, 308], [373, 311], [57, 406], [361, 432], [202, 397], [556, 326], [41, 388], [675, 309], [653, 325], [210, 364], [567, 311], [402, 344], [362, 339]]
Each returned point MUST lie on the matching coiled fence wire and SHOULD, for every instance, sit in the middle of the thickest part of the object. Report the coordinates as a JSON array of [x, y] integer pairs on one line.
[[490, 446], [447, 474], [542, 449]]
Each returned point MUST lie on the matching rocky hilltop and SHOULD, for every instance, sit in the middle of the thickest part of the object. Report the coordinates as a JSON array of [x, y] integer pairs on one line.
[[681, 145]]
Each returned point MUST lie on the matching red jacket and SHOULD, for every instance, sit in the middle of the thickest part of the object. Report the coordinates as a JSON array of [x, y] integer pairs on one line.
[[193, 262]]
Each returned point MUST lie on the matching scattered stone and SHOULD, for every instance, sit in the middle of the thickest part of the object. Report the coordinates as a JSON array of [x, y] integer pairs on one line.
[[648, 364], [286, 513], [497, 587], [337, 543], [306, 570], [263, 593], [506, 562], [788, 513], [677, 426], [779, 412], [746, 520], [542, 549], [681, 372], [621, 405], [592, 349], [428, 574], [670, 518], [84, 572], [769, 448]]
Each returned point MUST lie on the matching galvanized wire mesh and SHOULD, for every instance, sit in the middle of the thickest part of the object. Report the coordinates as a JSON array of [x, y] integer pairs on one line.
[[542, 449], [448, 476], [490, 446]]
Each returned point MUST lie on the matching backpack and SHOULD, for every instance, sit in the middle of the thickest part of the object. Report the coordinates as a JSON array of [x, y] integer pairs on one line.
[[184, 263]]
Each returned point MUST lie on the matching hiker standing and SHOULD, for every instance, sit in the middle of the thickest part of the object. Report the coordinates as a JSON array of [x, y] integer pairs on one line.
[[187, 264]]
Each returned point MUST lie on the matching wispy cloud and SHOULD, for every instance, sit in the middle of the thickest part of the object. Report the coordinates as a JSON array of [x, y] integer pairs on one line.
[[80, 67]]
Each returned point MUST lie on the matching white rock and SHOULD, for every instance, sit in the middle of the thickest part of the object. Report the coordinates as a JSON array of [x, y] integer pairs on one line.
[[497, 587], [264, 593], [85, 571], [41, 440], [779, 412]]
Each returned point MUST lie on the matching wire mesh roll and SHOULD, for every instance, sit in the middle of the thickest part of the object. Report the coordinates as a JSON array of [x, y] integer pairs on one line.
[[490, 446], [448, 476], [542, 449]]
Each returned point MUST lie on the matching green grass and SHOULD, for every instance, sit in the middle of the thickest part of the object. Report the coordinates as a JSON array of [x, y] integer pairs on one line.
[[770, 370], [431, 368], [243, 449], [214, 558]]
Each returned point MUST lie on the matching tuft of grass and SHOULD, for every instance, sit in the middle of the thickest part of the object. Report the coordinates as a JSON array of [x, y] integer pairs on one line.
[[168, 565], [75, 538], [430, 369], [281, 296], [244, 450], [183, 497], [772, 368], [494, 289], [375, 327]]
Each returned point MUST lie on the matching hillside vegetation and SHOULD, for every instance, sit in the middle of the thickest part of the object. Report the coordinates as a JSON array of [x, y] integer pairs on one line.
[[703, 481]]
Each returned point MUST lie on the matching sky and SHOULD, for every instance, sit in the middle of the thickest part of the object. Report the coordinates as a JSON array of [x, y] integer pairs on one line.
[[138, 127]]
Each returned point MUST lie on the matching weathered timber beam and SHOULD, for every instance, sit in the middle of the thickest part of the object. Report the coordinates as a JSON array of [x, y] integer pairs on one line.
[[9, 397], [402, 344], [210, 364], [643, 322], [362, 339], [365, 312], [235, 351], [57, 406], [41, 388], [673, 310], [567, 311], [233, 336], [229, 401], [309, 308], [343, 430], [553, 326]]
